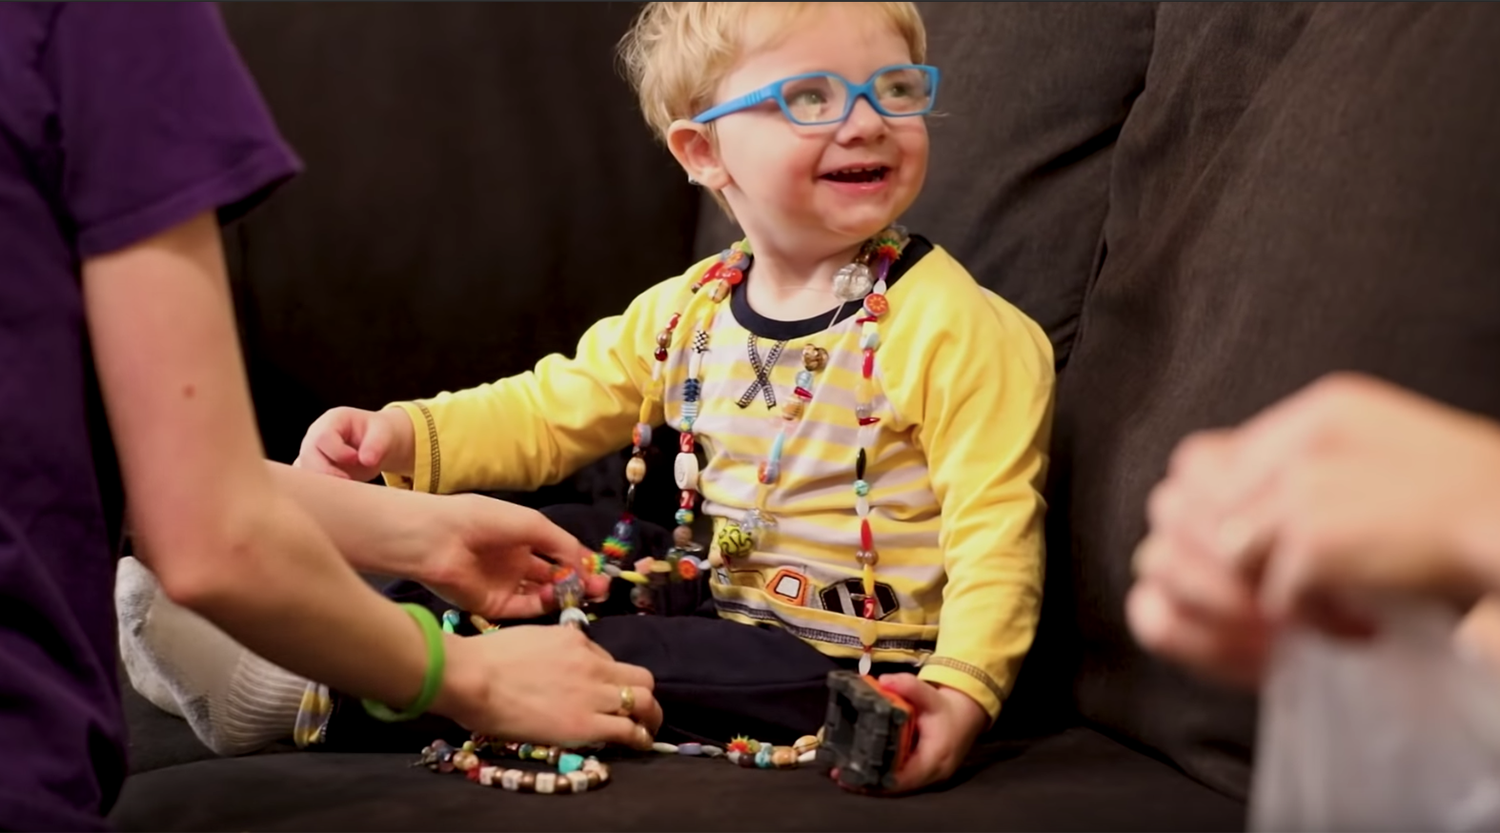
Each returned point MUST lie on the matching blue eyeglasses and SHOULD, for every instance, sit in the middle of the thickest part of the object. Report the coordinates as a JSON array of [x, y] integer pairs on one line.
[[827, 98]]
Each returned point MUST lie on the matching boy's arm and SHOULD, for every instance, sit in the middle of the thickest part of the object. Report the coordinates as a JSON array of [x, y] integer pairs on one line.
[[537, 427], [980, 388]]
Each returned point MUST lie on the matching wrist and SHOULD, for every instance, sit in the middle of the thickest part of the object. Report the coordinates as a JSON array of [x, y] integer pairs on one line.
[[400, 458], [461, 691]]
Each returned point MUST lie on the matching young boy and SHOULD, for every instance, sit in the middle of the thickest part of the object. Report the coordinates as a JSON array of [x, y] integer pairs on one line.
[[873, 423]]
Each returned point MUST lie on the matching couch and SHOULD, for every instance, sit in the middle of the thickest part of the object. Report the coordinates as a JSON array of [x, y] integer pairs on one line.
[[1206, 206]]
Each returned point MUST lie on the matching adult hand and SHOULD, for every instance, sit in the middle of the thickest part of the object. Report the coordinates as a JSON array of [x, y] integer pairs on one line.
[[357, 444], [482, 557], [1348, 489], [547, 685]]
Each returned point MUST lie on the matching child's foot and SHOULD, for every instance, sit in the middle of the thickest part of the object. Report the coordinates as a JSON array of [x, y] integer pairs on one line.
[[235, 701]]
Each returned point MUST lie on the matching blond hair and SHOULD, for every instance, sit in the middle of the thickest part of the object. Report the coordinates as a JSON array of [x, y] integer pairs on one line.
[[676, 54]]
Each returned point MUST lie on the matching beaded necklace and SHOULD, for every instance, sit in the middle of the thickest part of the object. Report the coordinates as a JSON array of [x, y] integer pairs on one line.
[[864, 281]]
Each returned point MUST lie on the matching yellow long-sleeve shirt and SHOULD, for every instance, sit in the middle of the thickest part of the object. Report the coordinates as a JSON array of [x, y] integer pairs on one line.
[[964, 393]]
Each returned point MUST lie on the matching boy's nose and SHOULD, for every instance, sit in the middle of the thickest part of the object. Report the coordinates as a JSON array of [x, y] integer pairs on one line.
[[863, 122]]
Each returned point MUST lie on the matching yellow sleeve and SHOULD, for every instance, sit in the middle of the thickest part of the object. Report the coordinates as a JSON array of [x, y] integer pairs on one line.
[[976, 377], [535, 428]]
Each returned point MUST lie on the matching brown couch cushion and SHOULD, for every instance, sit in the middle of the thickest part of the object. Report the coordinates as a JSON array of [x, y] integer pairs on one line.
[[1300, 189]]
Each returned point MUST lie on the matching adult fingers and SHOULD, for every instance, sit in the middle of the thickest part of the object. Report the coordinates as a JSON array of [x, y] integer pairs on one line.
[[1233, 656], [621, 730]]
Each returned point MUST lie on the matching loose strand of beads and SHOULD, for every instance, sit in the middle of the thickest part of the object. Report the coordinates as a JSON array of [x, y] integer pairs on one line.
[[748, 753], [575, 774]]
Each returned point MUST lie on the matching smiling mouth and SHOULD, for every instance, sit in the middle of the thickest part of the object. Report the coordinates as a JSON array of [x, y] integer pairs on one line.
[[877, 173]]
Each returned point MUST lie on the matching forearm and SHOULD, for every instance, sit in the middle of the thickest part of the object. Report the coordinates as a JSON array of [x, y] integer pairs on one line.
[[989, 621], [283, 591], [206, 513], [377, 529]]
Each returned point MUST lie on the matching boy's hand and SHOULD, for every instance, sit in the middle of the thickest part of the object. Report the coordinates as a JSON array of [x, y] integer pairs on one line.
[[358, 445], [948, 723]]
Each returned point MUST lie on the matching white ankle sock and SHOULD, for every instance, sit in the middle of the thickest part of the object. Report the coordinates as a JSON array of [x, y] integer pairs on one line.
[[235, 701]]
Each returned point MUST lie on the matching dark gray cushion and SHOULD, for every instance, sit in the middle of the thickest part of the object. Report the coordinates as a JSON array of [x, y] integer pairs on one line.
[[1300, 189], [1078, 780]]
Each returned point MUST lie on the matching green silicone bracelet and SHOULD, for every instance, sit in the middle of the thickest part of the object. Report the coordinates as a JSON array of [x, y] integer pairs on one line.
[[430, 683]]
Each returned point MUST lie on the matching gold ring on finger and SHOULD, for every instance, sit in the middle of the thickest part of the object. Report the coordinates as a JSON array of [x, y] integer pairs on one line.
[[627, 701]]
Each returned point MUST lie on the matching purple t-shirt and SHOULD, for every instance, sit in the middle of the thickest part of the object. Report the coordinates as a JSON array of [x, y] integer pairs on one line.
[[117, 121]]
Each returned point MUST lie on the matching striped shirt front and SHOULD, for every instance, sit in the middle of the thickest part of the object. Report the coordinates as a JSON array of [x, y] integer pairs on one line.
[[963, 394]]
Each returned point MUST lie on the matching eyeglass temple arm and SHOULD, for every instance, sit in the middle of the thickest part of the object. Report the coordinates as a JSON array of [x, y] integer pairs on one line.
[[735, 105]]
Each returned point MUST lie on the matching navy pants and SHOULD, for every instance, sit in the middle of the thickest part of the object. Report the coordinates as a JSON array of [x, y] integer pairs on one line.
[[715, 679]]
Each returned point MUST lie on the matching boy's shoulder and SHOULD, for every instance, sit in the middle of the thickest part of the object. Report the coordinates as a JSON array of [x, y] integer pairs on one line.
[[939, 295]]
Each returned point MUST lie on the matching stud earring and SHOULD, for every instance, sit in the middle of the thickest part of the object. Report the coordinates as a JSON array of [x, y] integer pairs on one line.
[[692, 181]]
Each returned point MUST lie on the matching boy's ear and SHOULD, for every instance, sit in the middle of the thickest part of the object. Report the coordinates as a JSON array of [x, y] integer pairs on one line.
[[693, 146]]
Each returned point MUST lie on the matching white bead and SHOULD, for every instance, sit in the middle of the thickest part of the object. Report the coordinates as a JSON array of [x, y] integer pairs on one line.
[[686, 471], [579, 781], [511, 779], [862, 505], [664, 748], [546, 782], [695, 365], [864, 663], [487, 776], [808, 757]]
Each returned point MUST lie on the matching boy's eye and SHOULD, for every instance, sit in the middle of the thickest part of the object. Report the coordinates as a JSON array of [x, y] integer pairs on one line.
[[807, 98]]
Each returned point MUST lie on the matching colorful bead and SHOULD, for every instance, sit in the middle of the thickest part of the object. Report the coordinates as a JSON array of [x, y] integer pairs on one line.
[[641, 435], [876, 304], [684, 517], [782, 757], [721, 290], [805, 379], [732, 276], [802, 393], [852, 282], [814, 358], [635, 470], [867, 367], [763, 757], [685, 471], [660, 354], [573, 617], [692, 390], [734, 542], [768, 472], [686, 499], [866, 537], [867, 557], [806, 743], [690, 749], [869, 339], [861, 488], [791, 410], [687, 569]]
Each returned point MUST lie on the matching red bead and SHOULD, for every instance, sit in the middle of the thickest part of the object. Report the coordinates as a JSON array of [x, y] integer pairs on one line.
[[802, 393], [869, 368], [869, 607], [676, 316], [868, 420], [661, 354], [876, 304], [866, 537], [732, 276], [685, 442], [685, 501], [712, 273], [865, 319]]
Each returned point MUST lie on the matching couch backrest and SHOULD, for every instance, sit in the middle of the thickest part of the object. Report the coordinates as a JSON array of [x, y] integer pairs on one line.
[[1299, 189], [479, 189]]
